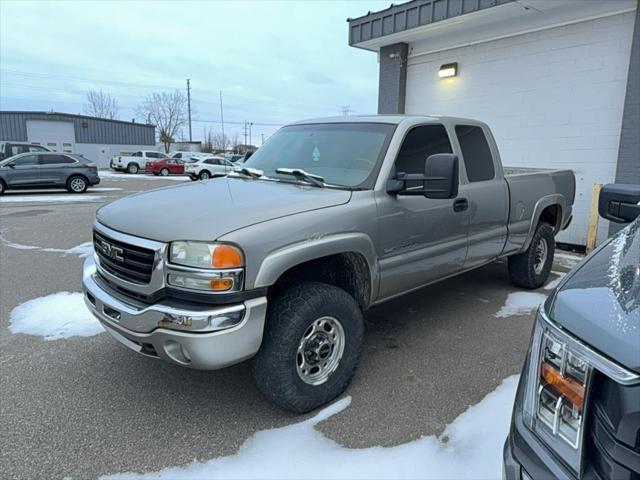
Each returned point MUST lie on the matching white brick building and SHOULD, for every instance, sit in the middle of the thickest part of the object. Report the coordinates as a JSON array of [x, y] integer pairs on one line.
[[551, 78]]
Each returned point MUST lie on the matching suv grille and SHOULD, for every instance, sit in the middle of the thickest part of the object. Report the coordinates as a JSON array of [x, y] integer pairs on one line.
[[129, 262], [613, 443]]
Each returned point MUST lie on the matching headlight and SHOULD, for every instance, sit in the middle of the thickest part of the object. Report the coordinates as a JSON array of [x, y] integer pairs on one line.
[[208, 267], [205, 255], [556, 391]]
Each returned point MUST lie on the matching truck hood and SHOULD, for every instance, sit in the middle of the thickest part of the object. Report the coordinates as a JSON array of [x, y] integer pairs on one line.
[[207, 210], [599, 302]]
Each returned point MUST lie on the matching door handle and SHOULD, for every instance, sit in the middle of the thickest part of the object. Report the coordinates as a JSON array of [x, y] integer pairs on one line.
[[460, 204]]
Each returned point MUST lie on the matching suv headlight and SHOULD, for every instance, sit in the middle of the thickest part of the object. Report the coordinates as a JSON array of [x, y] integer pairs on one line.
[[212, 267], [556, 389]]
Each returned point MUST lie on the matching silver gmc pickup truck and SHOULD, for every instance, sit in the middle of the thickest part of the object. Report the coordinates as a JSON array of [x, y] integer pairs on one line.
[[278, 260]]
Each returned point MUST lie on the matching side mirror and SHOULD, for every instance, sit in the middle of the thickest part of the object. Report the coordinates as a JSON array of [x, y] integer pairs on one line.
[[440, 179], [11, 164], [619, 203]]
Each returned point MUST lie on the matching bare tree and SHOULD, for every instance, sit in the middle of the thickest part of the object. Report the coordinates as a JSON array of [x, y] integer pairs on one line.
[[207, 140], [168, 112], [101, 105], [219, 142]]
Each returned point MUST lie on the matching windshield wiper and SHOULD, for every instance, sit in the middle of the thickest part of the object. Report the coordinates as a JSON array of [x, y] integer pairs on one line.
[[300, 174], [249, 172]]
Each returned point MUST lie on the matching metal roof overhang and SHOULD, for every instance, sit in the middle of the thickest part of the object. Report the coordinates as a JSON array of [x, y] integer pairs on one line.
[[465, 22]]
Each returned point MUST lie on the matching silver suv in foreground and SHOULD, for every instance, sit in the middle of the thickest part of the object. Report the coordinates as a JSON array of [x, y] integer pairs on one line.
[[327, 219]]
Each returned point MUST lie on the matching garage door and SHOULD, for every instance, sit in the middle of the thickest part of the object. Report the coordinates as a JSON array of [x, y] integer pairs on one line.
[[56, 136]]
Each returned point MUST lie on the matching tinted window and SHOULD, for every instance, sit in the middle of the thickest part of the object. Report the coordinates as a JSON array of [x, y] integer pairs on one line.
[[54, 159], [478, 160], [26, 160], [137, 154], [419, 144], [17, 149], [177, 155]]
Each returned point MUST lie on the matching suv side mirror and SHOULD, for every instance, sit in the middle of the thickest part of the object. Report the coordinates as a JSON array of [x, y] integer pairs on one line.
[[440, 179], [619, 203], [11, 164]]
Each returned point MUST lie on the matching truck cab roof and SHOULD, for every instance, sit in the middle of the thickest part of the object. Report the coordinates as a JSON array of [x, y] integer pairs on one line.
[[390, 119]]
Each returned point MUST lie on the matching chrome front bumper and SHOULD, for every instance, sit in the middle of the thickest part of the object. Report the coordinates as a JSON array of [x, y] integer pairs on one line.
[[131, 323]]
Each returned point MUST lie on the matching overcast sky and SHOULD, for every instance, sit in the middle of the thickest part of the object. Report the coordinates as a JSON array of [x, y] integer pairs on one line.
[[275, 62]]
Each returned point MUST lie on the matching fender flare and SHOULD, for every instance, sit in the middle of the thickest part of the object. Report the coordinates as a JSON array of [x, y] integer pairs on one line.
[[281, 260]]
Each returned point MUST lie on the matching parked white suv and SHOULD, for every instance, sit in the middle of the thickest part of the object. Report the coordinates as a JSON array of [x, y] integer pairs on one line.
[[135, 162], [206, 168]]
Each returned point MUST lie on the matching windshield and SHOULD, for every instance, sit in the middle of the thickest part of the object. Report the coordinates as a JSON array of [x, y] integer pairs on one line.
[[344, 154]]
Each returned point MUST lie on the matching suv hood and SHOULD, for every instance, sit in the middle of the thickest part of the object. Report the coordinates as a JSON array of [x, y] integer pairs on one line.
[[207, 210], [599, 302]]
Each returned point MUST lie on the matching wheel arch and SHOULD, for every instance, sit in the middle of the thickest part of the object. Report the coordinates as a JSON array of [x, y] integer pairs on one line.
[[550, 209]]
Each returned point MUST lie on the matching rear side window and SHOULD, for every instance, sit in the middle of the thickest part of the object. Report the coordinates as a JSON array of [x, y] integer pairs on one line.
[[54, 159], [478, 159]]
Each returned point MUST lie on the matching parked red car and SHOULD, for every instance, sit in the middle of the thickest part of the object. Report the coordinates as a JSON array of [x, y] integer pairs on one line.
[[166, 166]]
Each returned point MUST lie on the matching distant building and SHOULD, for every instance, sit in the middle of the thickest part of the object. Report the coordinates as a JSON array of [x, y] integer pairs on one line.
[[181, 146], [557, 81], [98, 139]]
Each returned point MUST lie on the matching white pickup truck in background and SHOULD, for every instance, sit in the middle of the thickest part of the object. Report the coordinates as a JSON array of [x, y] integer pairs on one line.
[[135, 162]]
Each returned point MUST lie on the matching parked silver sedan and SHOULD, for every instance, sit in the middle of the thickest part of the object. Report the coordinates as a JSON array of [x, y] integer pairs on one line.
[[48, 170]]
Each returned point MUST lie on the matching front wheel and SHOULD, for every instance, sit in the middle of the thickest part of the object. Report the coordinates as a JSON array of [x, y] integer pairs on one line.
[[531, 268], [311, 346], [77, 185], [2, 187]]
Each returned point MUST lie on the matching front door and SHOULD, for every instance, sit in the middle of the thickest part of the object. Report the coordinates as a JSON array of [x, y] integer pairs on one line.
[[24, 171], [421, 239]]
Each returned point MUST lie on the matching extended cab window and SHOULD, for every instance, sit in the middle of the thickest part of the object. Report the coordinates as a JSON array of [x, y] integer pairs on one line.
[[478, 160]]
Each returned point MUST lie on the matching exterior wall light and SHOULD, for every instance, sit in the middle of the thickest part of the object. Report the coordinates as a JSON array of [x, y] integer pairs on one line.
[[448, 70]]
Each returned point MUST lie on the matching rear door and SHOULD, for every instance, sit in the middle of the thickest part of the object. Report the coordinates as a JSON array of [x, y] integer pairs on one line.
[[55, 168], [487, 193], [24, 172]]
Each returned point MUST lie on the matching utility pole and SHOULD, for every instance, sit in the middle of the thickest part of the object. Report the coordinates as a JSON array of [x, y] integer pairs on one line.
[[250, 140], [262, 138], [245, 132], [346, 110], [189, 107], [224, 140]]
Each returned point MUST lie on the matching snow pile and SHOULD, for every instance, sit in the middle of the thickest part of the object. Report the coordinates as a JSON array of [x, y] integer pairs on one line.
[[53, 198], [471, 447], [521, 303], [60, 315]]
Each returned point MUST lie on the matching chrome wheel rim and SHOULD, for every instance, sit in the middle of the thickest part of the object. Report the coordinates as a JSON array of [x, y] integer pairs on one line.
[[320, 350], [77, 185], [540, 256], [164, 172]]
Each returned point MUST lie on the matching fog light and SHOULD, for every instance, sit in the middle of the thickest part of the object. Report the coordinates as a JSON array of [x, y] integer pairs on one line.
[[203, 323]]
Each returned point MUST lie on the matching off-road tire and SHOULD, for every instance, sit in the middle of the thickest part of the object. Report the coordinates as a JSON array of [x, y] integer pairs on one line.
[[3, 187], [204, 175], [164, 172], [290, 314], [522, 267], [133, 168], [74, 184]]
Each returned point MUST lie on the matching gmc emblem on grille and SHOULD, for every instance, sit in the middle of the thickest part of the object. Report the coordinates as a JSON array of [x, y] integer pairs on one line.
[[111, 251]]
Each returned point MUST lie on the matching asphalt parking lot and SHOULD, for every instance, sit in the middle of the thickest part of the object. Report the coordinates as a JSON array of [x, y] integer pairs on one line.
[[84, 406]]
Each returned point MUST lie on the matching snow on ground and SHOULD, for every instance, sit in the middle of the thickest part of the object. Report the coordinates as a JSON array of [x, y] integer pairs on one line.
[[566, 259], [470, 447], [104, 189], [83, 250], [520, 303], [56, 316], [554, 283], [52, 198]]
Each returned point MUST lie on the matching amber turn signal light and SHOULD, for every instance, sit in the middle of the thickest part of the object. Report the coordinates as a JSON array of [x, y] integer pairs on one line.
[[226, 256], [565, 386]]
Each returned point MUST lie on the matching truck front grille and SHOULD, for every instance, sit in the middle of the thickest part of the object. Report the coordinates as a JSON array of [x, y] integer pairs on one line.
[[129, 262], [613, 442]]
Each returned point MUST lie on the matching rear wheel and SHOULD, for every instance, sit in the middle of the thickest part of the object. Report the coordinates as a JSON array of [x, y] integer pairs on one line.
[[77, 184], [311, 346], [205, 175], [164, 172], [133, 168], [531, 268]]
